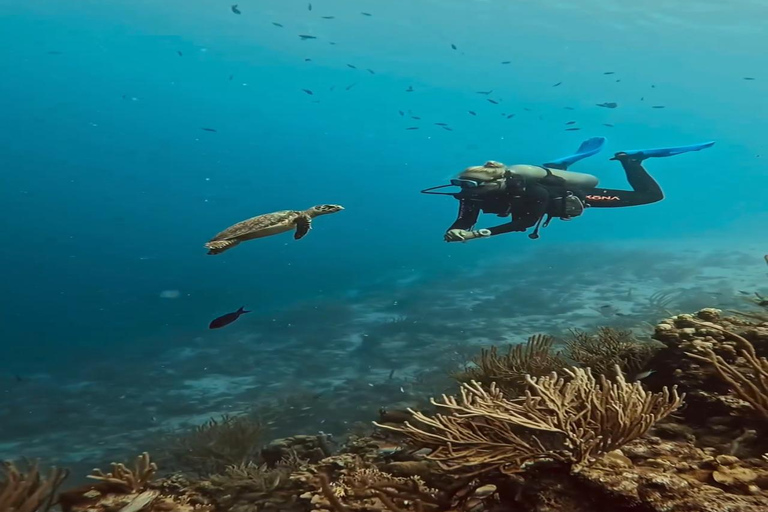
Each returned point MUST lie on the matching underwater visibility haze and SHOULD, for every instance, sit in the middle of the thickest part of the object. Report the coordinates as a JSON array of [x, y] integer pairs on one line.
[[167, 167]]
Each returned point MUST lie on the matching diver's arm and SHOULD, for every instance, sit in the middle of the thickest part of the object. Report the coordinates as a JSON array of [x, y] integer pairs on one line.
[[468, 213]]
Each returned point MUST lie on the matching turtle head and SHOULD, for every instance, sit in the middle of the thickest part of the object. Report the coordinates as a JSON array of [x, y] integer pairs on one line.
[[324, 209]]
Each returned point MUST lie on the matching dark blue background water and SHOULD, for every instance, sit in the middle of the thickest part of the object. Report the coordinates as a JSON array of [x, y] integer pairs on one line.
[[107, 200]]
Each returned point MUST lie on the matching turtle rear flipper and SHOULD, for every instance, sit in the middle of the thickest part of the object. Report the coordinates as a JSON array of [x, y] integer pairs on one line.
[[219, 246], [303, 225]]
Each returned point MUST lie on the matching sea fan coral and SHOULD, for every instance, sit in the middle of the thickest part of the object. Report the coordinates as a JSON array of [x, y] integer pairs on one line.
[[509, 370], [569, 420], [608, 348], [28, 491]]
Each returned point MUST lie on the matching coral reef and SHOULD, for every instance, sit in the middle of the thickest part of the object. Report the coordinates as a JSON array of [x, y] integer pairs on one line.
[[27, 490]]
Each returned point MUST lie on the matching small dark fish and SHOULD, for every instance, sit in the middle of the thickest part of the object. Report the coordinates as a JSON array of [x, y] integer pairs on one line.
[[371, 71], [507, 62], [608, 104], [441, 124], [570, 122], [526, 109], [209, 129], [653, 86], [484, 92], [569, 108], [744, 293], [309, 7], [366, 14], [231, 77], [277, 24], [351, 66], [328, 17], [307, 60], [493, 101], [409, 89], [619, 80], [609, 125], [350, 86], [332, 43], [401, 112], [454, 47], [572, 129], [412, 128], [642, 98], [305, 37], [235, 9], [308, 91], [558, 83], [55, 52], [391, 374], [621, 314], [658, 106], [472, 113], [227, 319], [510, 116], [748, 78], [180, 54], [416, 118], [766, 258], [608, 73], [447, 128]]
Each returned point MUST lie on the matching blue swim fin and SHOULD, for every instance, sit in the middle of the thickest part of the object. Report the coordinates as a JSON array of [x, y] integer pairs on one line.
[[588, 148], [642, 154]]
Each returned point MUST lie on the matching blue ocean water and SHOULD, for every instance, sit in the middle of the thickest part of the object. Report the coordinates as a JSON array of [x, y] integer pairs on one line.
[[110, 186]]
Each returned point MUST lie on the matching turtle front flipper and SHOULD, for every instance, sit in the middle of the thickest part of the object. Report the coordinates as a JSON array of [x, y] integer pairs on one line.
[[219, 246], [303, 225]]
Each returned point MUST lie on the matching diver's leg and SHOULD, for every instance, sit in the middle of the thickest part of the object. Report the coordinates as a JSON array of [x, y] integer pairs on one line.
[[645, 190]]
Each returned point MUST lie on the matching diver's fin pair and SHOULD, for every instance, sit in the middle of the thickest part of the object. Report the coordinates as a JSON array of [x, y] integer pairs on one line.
[[588, 148], [642, 154]]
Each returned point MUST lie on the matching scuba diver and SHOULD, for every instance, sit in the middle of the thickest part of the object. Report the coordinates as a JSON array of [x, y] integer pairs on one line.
[[534, 195]]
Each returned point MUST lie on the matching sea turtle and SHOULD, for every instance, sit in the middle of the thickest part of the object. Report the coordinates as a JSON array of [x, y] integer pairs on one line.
[[269, 224]]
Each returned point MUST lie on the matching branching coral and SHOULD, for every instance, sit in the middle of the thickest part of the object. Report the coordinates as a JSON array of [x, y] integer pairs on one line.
[[130, 480], [28, 491], [750, 385], [509, 370], [568, 420], [217, 444], [608, 348]]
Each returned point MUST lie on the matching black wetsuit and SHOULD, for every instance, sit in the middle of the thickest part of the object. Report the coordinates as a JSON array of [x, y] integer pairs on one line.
[[527, 203]]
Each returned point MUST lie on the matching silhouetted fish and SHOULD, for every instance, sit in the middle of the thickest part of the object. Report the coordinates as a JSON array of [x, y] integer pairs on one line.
[[493, 101], [328, 17], [416, 118], [209, 129], [454, 46], [472, 113], [658, 106], [608, 73], [307, 60], [748, 78], [609, 125], [507, 62], [441, 124], [572, 129], [309, 7], [569, 108], [308, 91], [235, 9], [350, 86], [570, 122], [371, 71], [366, 14], [447, 128], [401, 112], [55, 52], [305, 37], [277, 24], [558, 83], [510, 116], [351, 66], [412, 128], [608, 104], [227, 319], [180, 54], [409, 89], [484, 92]]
